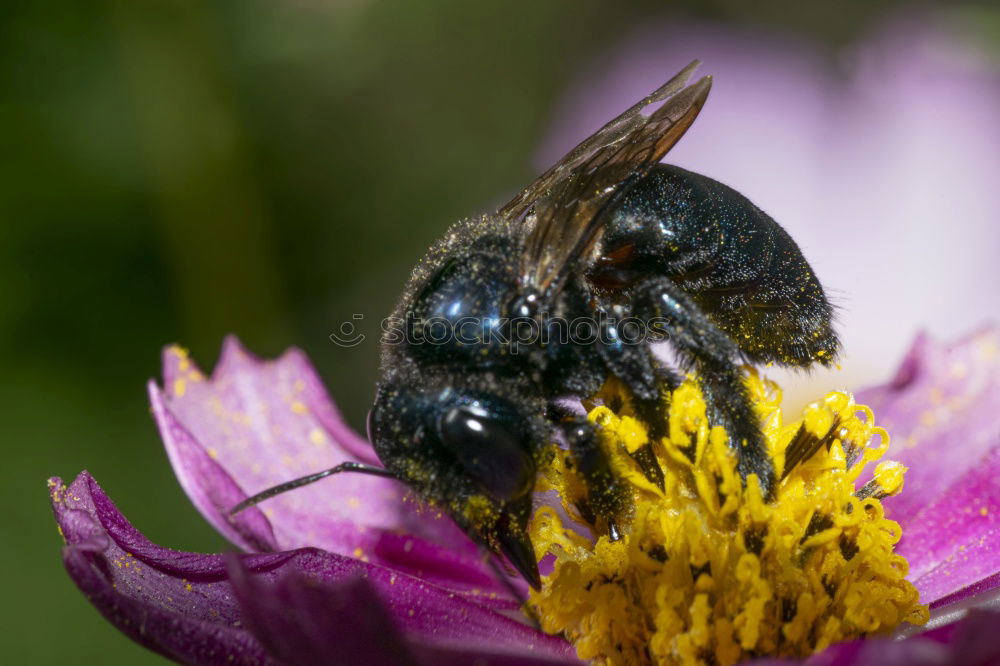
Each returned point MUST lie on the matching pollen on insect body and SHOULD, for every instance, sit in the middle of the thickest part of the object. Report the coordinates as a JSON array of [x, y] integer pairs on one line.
[[708, 570]]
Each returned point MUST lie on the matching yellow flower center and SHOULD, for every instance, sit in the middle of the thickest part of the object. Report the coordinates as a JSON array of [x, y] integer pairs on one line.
[[709, 571]]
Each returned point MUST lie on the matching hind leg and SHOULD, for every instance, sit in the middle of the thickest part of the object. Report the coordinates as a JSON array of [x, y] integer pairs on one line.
[[703, 347]]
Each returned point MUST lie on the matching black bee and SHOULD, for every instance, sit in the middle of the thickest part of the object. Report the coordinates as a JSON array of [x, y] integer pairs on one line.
[[514, 310]]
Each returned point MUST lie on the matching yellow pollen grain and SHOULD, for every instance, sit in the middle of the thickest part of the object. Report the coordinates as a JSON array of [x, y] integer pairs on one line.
[[212, 453], [180, 387], [358, 552], [983, 511], [317, 437], [889, 475], [710, 571], [299, 407]]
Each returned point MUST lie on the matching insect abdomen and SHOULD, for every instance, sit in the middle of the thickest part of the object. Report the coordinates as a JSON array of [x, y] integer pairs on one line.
[[744, 271]]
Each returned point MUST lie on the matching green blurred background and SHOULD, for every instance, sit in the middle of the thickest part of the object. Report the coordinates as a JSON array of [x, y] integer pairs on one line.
[[177, 170]]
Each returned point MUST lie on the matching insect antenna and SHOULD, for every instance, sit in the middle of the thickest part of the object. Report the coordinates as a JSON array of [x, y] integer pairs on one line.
[[361, 468], [306, 480]]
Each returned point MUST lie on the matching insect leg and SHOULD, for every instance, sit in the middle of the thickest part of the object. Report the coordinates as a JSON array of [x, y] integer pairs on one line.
[[702, 346], [606, 495], [650, 383]]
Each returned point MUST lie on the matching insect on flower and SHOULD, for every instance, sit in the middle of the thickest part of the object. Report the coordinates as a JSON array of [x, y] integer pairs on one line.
[[639, 252]]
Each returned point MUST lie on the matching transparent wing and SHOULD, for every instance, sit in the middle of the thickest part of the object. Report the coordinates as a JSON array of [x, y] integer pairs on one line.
[[563, 208]]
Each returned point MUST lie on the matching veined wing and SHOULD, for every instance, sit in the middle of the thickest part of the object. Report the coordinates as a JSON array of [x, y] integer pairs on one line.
[[564, 207]]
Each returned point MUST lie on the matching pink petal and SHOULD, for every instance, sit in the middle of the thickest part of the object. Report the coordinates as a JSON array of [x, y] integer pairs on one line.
[[301, 619], [255, 424], [207, 484], [190, 617], [184, 605], [953, 543], [941, 411]]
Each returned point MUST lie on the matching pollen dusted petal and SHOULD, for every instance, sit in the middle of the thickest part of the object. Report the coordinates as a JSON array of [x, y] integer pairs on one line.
[[710, 572], [177, 607], [254, 424], [941, 409], [207, 484], [210, 609], [956, 536]]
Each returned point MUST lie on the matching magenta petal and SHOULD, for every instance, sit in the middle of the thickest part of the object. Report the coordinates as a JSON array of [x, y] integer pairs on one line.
[[255, 424], [941, 412], [424, 612], [303, 621], [214, 492], [207, 484], [984, 593], [293, 378], [193, 620], [261, 422], [952, 542], [182, 604], [296, 617]]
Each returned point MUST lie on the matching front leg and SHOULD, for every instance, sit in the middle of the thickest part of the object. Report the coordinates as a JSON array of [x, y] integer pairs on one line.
[[650, 383], [703, 347]]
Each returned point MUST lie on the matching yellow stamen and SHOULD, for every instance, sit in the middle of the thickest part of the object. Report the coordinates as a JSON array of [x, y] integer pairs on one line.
[[711, 572]]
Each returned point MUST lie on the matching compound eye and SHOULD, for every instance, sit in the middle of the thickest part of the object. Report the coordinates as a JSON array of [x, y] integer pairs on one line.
[[491, 449]]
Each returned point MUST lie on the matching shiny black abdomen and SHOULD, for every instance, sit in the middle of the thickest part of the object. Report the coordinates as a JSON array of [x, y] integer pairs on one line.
[[744, 271]]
